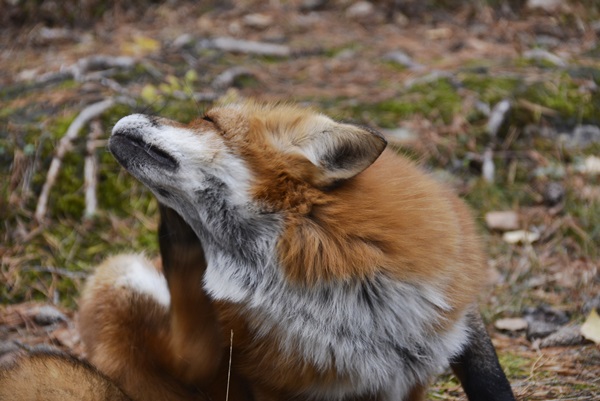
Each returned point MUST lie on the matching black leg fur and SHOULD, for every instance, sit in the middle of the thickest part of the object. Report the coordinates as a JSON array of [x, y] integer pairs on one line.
[[478, 368], [195, 334], [179, 246]]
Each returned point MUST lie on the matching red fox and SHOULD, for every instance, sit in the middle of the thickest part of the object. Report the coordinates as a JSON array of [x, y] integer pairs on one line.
[[342, 270]]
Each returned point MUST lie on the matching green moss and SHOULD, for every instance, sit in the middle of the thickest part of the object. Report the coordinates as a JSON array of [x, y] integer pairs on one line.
[[564, 97], [444, 384], [515, 366], [490, 89], [67, 198], [486, 197], [437, 100]]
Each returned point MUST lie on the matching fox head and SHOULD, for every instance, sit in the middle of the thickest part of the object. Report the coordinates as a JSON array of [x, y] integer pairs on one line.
[[236, 150], [240, 170]]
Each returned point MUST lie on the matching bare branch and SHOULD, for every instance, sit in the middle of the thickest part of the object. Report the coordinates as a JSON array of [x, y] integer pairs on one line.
[[226, 78], [90, 170], [232, 45], [56, 270], [90, 112]]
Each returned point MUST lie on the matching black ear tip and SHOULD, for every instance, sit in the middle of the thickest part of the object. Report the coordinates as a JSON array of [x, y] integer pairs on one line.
[[376, 134]]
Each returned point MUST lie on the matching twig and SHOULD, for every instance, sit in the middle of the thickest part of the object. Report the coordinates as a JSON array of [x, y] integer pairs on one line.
[[90, 112], [90, 170], [56, 270], [226, 79], [488, 170], [229, 370], [227, 44], [497, 117], [78, 70]]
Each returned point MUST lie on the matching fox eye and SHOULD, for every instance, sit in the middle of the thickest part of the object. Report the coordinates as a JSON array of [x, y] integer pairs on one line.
[[207, 118]]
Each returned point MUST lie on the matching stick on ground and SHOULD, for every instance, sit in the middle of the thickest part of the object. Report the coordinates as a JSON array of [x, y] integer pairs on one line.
[[90, 170], [89, 113]]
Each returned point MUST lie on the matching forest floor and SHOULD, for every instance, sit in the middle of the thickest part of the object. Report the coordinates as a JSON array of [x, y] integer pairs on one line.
[[501, 104]]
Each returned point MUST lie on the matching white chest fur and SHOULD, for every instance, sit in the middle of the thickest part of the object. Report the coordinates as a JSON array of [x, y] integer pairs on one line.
[[377, 332]]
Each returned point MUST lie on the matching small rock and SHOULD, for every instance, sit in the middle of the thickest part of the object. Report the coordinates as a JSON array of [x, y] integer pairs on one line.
[[313, 5], [538, 329], [502, 221], [544, 55], [585, 135], [520, 236], [554, 193], [54, 35], [546, 5], [346, 54], [258, 21], [546, 313], [547, 41], [565, 336], [401, 19], [511, 324], [46, 315], [553, 170], [591, 165], [402, 59], [433, 76], [359, 10], [27, 75], [438, 33], [536, 281], [182, 41], [543, 320], [400, 135]]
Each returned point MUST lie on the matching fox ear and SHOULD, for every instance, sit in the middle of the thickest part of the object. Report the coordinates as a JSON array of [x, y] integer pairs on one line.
[[341, 151]]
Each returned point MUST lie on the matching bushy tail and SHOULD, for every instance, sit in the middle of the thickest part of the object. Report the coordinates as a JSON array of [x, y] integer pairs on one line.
[[53, 376]]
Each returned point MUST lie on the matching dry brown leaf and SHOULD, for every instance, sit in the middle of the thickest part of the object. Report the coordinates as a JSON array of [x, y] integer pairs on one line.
[[591, 328]]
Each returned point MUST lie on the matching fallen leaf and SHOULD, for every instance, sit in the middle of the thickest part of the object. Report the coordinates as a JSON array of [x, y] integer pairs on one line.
[[511, 324], [520, 236], [591, 328], [502, 221], [141, 45], [592, 165]]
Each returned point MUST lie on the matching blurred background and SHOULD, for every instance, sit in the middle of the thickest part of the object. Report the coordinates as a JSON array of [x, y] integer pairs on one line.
[[497, 98]]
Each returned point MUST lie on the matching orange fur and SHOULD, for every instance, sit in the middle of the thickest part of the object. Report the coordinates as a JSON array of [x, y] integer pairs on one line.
[[352, 231], [151, 352], [390, 219], [348, 232], [53, 376]]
